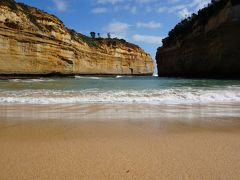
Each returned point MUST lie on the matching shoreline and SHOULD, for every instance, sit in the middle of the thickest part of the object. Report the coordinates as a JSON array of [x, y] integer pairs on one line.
[[117, 142], [107, 112], [60, 75], [170, 76]]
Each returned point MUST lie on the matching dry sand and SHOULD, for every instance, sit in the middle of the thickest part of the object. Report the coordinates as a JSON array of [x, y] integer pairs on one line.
[[119, 150]]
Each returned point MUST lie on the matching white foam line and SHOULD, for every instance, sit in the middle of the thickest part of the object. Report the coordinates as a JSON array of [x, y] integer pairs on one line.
[[31, 80], [167, 96], [87, 77]]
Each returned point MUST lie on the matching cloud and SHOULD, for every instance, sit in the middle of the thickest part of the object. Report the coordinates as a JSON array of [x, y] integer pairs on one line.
[[182, 8], [99, 10], [109, 1], [162, 9], [149, 25], [199, 4], [177, 8], [131, 6], [118, 29], [125, 1], [183, 13], [133, 10], [186, 8], [173, 1], [145, 1], [61, 5], [148, 9], [147, 39], [127, 7]]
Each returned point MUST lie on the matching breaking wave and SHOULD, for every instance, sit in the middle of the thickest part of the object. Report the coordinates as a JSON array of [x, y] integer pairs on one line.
[[229, 94]]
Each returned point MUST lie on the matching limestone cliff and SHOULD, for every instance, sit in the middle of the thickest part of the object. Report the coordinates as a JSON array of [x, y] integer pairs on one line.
[[34, 42], [204, 45]]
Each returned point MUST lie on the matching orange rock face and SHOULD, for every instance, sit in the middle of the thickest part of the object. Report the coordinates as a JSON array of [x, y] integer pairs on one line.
[[34, 42]]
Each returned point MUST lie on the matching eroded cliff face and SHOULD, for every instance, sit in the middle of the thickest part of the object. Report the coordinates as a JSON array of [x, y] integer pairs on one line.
[[210, 48], [34, 42]]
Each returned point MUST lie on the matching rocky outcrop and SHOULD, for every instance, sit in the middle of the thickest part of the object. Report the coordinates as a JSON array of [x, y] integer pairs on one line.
[[205, 45], [34, 42]]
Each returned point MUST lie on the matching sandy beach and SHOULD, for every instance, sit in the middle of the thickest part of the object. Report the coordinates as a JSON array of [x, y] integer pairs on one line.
[[56, 149], [120, 90]]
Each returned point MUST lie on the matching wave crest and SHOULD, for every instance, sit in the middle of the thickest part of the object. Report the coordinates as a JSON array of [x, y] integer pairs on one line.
[[167, 96]]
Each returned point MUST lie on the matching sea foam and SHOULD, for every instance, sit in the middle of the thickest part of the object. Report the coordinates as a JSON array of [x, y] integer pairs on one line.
[[164, 96]]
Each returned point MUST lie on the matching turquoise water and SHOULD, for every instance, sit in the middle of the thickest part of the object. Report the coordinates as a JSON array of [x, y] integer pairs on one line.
[[128, 90]]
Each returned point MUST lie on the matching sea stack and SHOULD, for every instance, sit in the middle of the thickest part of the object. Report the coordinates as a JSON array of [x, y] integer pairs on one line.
[[206, 44], [33, 42]]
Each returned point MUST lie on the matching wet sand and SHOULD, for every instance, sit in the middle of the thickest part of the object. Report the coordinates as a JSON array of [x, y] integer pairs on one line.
[[58, 149]]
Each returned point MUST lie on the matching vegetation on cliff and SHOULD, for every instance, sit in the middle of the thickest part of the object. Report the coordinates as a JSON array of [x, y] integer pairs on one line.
[[31, 13], [200, 19], [205, 45], [96, 42], [35, 42]]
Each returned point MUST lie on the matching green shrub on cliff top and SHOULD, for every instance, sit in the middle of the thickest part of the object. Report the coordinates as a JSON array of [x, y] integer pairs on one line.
[[80, 37], [30, 13], [186, 26]]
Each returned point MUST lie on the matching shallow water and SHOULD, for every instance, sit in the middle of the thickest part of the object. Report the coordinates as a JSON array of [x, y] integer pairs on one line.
[[119, 98], [127, 90]]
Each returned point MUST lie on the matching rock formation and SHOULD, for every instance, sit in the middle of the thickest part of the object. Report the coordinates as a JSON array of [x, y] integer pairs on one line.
[[34, 42], [204, 45]]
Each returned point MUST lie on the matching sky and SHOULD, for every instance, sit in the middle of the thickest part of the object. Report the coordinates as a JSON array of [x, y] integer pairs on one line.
[[142, 22]]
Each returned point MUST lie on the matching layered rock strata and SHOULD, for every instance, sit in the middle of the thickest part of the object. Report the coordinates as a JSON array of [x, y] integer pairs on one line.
[[34, 42]]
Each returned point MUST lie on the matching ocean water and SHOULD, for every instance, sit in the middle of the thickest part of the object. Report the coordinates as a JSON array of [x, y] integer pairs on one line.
[[119, 89], [119, 98]]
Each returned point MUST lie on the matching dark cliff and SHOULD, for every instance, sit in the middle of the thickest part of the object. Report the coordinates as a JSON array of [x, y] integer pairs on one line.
[[33, 42], [204, 45]]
